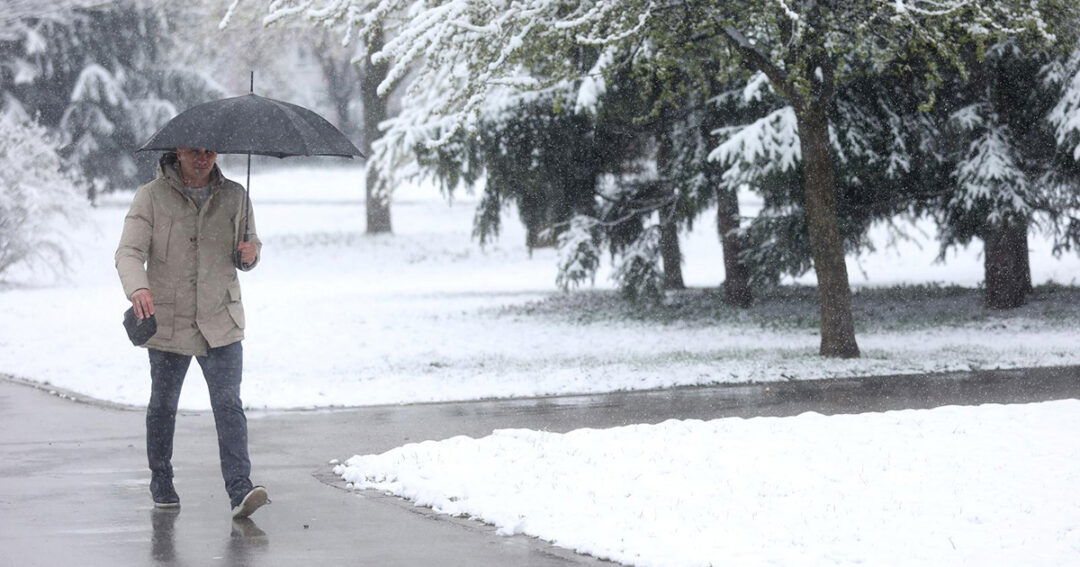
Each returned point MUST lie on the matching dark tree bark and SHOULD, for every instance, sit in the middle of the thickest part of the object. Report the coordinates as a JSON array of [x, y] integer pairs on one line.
[[826, 245], [1007, 265], [670, 253], [810, 94], [341, 81], [375, 111], [535, 238], [736, 275]]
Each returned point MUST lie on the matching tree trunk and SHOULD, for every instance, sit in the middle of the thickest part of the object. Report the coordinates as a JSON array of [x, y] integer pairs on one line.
[[342, 93], [736, 276], [535, 237], [1007, 265], [826, 245], [669, 250], [341, 80], [670, 253], [375, 111]]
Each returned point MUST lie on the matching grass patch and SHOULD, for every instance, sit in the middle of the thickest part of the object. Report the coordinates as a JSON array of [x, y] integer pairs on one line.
[[900, 308]]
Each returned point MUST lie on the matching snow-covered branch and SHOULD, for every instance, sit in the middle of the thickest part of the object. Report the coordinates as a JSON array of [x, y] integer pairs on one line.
[[768, 144], [1065, 116], [761, 61]]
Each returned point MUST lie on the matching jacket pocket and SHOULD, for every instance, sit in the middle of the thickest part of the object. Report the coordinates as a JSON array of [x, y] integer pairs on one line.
[[234, 292], [164, 312], [235, 307], [159, 243]]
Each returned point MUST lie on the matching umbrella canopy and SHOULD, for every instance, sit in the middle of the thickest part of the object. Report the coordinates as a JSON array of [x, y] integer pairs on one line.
[[251, 124]]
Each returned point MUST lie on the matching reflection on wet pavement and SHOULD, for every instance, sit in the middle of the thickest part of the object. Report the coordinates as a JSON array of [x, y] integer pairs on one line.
[[163, 538], [247, 543], [245, 546]]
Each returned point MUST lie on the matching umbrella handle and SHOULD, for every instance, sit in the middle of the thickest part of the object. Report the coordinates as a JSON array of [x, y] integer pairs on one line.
[[236, 254]]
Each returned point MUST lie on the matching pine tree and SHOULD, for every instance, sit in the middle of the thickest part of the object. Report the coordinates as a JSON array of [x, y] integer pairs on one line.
[[96, 73], [1009, 173], [578, 158], [533, 155]]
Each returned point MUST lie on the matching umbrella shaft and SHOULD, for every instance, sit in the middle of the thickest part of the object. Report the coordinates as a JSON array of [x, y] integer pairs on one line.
[[247, 199]]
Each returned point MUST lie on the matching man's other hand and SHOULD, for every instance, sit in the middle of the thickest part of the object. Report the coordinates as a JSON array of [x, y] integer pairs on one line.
[[143, 302]]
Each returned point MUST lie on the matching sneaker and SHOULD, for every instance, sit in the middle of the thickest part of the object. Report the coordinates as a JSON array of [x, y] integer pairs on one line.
[[246, 504], [161, 489]]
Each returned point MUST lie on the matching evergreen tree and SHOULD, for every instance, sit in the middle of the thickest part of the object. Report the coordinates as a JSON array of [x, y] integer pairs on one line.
[[543, 161], [581, 158], [97, 74], [1009, 173]]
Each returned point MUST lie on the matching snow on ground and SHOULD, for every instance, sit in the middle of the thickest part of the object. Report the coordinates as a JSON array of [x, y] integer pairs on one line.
[[336, 317], [987, 485]]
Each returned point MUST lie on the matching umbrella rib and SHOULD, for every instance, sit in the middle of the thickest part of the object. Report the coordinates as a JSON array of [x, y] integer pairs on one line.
[[297, 123]]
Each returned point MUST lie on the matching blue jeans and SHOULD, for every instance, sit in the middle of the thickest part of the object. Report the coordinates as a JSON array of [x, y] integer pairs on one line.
[[222, 368]]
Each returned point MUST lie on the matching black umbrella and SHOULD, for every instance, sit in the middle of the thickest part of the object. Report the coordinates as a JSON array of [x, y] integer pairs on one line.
[[252, 125]]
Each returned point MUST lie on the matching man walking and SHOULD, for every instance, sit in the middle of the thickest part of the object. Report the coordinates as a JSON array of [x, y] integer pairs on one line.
[[175, 261]]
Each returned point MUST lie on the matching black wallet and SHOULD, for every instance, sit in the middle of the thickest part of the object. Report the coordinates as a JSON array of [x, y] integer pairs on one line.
[[139, 330]]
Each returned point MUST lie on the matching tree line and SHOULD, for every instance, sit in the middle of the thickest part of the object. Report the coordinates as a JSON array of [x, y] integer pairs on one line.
[[101, 76], [615, 124], [612, 126]]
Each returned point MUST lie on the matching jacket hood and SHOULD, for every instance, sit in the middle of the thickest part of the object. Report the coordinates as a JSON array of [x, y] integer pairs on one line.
[[169, 169]]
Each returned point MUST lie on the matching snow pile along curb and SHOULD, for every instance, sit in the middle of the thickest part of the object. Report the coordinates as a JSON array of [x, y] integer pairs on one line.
[[955, 485]]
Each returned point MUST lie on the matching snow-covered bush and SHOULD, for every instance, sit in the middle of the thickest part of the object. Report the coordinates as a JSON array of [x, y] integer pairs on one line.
[[38, 198], [638, 271], [579, 255]]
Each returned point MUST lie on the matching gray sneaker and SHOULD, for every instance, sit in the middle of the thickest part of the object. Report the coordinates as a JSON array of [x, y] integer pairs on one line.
[[245, 505]]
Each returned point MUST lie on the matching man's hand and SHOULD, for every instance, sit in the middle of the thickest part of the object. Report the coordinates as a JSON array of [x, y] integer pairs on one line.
[[143, 302], [248, 251]]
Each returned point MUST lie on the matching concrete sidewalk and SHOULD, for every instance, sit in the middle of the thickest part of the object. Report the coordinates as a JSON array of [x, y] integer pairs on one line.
[[73, 475]]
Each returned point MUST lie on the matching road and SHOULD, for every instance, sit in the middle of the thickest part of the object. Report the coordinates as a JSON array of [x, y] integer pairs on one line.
[[73, 475]]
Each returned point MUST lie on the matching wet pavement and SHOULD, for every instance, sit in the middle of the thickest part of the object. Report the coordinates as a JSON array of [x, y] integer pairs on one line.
[[73, 477]]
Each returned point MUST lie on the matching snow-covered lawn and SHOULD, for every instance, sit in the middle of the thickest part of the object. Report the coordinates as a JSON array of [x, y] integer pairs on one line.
[[339, 318], [987, 485]]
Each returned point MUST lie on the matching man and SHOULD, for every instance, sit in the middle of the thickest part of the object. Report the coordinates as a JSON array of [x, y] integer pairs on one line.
[[175, 262]]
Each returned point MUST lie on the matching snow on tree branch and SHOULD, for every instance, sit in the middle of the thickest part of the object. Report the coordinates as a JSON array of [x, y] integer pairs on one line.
[[461, 60], [1065, 116], [757, 149], [579, 255], [224, 23], [989, 172]]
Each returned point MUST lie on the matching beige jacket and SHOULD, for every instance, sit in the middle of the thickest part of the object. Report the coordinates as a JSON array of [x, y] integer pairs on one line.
[[183, 255]]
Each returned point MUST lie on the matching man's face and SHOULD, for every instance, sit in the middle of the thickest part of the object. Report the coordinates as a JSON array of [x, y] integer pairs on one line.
[[196, 162]]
